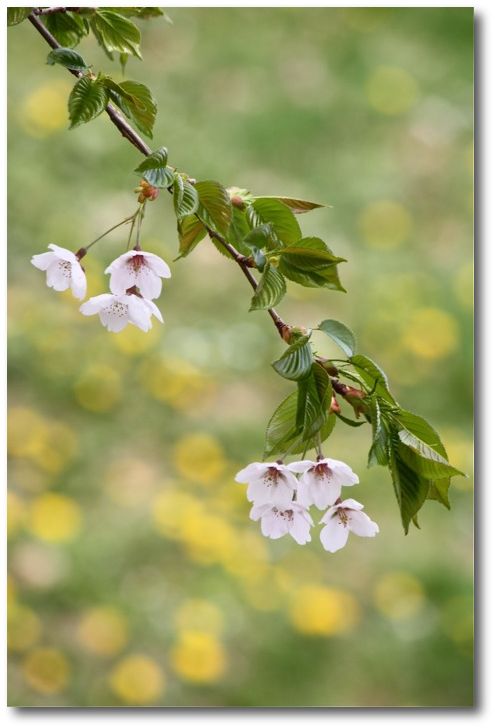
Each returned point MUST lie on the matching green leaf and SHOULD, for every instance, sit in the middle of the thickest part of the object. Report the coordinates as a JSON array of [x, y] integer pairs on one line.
[[311, 263], [154, 169], [191, 232], [379, 451], [284, 224], [238, 230], [270, 290], [261, 236], [411, 488], [136, 101], [185, 197], [142, 13], [424, 459], [351, 423], [296, 361], [114, 32], [373, 376], [282, 434], [17, 15], [314, 397], [297, 206], [339, 333], [68, 28], [67, 58], [439, 491], [215, 202], [87, 100]]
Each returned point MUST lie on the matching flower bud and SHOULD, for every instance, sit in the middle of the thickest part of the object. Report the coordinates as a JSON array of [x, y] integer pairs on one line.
[[334, 406]]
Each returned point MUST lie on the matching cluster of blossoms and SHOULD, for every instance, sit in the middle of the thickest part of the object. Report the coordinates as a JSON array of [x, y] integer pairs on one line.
[[135, 280], [282, 501]]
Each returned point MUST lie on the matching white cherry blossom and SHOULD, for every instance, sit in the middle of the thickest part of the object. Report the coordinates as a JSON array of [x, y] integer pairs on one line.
[[277, 521], [343, 518], [271, 483], [138, 268], [63, 270], [321, 481], [116, 312]]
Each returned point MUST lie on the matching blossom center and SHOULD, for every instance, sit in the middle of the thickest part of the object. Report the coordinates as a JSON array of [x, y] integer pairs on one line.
[[343, 516], [271, 476], [321, 471], [287, 515], [117, 308], [136, 262], [65, 268]]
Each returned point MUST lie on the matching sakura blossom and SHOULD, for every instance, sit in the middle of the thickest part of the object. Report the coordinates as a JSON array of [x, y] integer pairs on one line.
[[116, 311], [343, 518], [278, 521], [63, 270], [138, 268], [321, 481], [271, 483]]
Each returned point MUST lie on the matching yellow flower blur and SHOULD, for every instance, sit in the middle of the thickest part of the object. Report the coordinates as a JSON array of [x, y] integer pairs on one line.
[[198, 657], [103, 631], [399, 595], [320, 610], [391, 90], [46, 670], [199, 457], [55, 517], [137, 680], [431, 333], [385, 224]]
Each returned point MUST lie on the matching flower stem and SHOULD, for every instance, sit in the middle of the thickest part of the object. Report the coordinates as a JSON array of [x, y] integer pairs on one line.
[[114, 227], [139, 217]]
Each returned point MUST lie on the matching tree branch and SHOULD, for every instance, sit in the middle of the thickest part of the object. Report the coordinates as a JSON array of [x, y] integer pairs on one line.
[[133, 137]]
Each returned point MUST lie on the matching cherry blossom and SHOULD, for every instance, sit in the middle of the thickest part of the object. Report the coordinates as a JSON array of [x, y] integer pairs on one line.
[[277, 521], [63, 270], [271, 483], [116, 312], [321, 481], [137, 268], [343, 518]]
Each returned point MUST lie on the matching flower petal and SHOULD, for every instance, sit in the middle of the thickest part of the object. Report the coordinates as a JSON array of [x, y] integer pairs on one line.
[[43, 260], [149, 284], [95, 304], [351, 504], [273, 525], [139, 313], [300, 529], [343, 474], [121, 278], [300, 466], [257, 511], [334, 535], [154, 309], [63, 253], [57, 276], [157, 265], [251, 472], [78, 281], [362, 525]]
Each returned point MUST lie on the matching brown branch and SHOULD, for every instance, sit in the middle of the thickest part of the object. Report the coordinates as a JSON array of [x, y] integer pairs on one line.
[[128, 132]]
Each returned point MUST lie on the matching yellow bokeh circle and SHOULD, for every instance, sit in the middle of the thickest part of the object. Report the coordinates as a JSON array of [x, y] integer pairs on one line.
[[55, 517], [391, 90], [46, 670], [385, 224], [44, 111], [399, 595], [431, 333], [137, 680], [98, 389], [200, 458], [199, 614], [198, 657], [23, 628], [320, 610], [103, 631]]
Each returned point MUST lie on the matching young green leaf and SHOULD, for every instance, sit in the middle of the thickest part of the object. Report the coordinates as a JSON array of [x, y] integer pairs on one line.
[[423, 458], [270, 290], [216, 208], [67, 58], [87, 100], [185, 197], [142, 13], [284, 224], [379, 451], [314, 397], [136, 101], [17, 15], [411, 488], [296, 361], [68, 28], [373, 376], [191, 232], [154, 169], [339, 333], [297, 206], [114, 32], [311, 263]]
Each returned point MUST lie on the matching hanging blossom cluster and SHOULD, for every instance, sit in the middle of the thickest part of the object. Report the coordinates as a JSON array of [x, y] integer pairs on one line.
[[135, 278], [281, 501]]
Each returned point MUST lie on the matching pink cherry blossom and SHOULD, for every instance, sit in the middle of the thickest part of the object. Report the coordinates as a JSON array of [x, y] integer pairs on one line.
[[138, 268], [63, 270]]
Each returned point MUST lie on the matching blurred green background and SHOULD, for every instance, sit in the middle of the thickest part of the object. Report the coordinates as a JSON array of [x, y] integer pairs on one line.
[[136, 577]]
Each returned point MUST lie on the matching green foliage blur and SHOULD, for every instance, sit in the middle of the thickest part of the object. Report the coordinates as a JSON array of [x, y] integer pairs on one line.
[[136, 577]]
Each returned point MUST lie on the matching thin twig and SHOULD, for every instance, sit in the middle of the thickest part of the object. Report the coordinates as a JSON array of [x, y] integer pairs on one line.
[[133, 137]]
